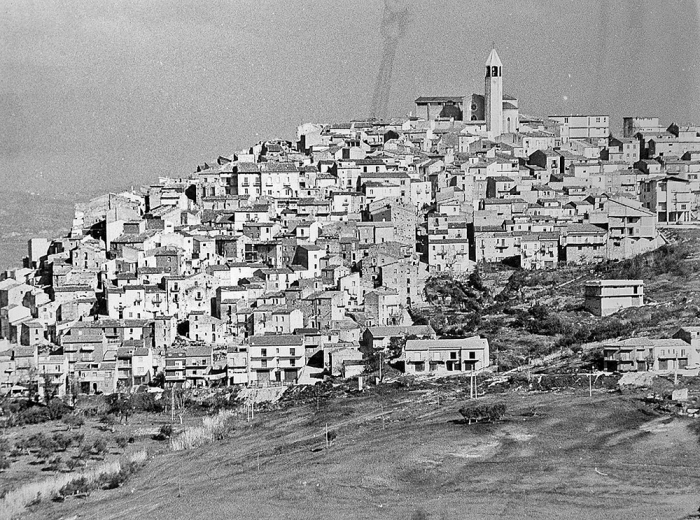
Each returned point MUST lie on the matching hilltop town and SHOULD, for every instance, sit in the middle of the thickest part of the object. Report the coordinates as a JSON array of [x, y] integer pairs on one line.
[[290, 260]]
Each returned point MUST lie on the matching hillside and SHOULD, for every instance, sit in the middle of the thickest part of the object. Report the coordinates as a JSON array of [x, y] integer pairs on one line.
[[25, 215], [398, 454], [530, 314]]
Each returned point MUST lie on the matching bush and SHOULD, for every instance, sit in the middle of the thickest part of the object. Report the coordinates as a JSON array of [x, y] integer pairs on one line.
[[61, 441], [54, 463], [34, 415], [121, 442], [120, 405], [109, 421], [4, 462], [78, 439], [99, 446], [73, 420], [78, 485], [15, 501], [213, 428], [146, 402], [57, 409], [165, 432], [483, 412]]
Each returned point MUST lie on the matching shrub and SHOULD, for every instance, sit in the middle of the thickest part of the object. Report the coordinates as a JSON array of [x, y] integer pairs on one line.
[[165, 432], [109, 421], [35, 441], [146, 402], [79, 485], [73, 420], [61, 441], [213, 428], [99, 446], [46, 448], [78, 439], [33, 415], [57, 409], [15, 501], [4, 462], [122, 442], [54, 463], [120, 405], [483, 412]]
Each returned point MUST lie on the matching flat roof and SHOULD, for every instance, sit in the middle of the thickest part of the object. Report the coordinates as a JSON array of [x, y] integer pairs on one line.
[[613, 283]]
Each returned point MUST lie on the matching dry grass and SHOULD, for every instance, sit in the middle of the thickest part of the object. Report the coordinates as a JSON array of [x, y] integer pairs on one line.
[[213, 428], [15, 502]]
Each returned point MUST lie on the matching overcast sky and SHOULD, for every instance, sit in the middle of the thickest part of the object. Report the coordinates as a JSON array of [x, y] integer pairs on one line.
[[100, 95]]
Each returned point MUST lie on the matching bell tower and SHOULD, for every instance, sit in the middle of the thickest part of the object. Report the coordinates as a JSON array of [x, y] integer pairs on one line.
[[493, 93]]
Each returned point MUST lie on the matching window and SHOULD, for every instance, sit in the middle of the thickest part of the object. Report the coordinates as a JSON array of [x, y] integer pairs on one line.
[[472, 355], [453, 355], [263, 352], [292, 352]]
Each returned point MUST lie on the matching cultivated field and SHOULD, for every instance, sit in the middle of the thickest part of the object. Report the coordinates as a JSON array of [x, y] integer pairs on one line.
[[398, 454]]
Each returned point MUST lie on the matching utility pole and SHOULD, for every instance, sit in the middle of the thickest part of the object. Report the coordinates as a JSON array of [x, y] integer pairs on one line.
[[675, 371], [472, 384], [172, 404], [326, 436], [590, 383]]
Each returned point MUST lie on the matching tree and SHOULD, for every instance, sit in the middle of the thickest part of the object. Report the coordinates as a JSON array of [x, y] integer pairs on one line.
[[159, 380], [57, 408], [50, 388], [120, 405]]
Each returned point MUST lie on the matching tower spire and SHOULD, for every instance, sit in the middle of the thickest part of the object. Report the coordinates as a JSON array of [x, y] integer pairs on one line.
[[493, 93]]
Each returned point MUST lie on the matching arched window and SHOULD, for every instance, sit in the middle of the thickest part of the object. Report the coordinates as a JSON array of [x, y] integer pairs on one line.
[[494, 72], [488, 71]]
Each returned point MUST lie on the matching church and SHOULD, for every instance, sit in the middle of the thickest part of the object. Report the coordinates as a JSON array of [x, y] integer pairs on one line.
[[497, 110]]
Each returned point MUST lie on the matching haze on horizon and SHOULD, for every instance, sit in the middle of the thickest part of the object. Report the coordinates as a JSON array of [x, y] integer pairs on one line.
[[100, 95]]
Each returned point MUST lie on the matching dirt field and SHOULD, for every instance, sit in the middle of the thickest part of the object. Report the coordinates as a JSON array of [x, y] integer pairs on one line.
[[400, 455]]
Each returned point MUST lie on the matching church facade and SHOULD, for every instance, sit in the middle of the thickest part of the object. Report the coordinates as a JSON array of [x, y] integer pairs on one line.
[[499, 111]]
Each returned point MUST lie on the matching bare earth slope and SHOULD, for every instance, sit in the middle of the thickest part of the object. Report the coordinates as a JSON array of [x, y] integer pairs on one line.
[[555, 455]]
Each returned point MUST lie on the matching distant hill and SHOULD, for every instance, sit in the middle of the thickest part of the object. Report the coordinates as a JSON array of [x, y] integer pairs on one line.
[[25, 215]]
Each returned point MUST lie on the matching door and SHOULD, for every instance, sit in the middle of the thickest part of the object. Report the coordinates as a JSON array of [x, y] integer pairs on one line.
[[264, 377], [290, 376]]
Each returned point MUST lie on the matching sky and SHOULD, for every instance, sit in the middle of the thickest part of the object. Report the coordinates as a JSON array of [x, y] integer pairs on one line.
[[98, 96]]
